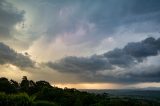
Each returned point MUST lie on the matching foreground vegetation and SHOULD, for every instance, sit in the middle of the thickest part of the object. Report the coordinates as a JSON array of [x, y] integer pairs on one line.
[[41, 93]]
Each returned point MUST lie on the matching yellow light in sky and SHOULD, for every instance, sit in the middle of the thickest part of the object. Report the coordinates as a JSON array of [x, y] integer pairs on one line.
[[91, 86], [12, 72]]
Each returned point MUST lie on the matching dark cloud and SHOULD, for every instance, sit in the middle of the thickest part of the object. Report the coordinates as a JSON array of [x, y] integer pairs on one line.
[[119, 57], [133, 52], [9, 17], [108, 66], [107, 17], [9, 56], [149, 73], [98, 19], [143, 6], [111, 14], [77, 64], [148, 47]]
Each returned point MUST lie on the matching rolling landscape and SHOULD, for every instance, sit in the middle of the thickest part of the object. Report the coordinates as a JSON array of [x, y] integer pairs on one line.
[[79, 52]]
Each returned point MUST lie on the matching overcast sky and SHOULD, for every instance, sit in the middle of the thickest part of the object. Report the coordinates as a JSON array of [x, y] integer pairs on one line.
[[81, 43]]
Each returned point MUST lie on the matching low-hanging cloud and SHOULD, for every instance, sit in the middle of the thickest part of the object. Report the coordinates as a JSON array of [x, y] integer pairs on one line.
[[9, 56], [134, 52], [113, 65], [77, 64]]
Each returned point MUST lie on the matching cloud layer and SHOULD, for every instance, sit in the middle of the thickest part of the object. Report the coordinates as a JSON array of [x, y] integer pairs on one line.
[[116, 65], [9, 56], [9, 17], [78, 22]]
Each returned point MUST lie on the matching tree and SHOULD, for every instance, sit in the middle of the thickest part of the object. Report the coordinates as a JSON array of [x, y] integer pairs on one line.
[[32, 88], [42, 84], [24, 85], [14, 83], [6, 86]]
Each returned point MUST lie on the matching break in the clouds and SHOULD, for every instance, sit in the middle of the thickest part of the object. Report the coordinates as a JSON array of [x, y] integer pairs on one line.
[[116, 63], [9, 56]]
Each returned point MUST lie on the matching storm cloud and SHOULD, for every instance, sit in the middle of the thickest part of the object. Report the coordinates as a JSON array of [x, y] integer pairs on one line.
[[9, 17], [97, 20], [115, 65], [134, 52], [77, 64], [9, 56]]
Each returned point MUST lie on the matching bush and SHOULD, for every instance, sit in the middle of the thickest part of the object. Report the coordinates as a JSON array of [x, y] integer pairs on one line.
[[21, 99]]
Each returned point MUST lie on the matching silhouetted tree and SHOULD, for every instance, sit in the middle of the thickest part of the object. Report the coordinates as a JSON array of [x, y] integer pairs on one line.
[[6, 86], [32, 88], [42, 84], [24, 85], [14, 83]]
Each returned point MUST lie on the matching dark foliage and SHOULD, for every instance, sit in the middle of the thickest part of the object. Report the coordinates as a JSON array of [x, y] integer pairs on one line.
[[41, 93]]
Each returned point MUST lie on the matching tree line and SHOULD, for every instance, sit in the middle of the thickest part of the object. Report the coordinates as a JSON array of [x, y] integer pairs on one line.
[[41, 93]]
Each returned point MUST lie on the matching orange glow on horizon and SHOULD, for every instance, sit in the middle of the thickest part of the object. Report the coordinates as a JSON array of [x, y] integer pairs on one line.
[[107, 85], [91, 86]]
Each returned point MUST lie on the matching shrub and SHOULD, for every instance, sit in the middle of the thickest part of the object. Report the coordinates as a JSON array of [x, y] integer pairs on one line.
[[21, 99]]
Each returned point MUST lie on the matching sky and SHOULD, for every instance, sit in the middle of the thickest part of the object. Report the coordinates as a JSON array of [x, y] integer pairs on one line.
[[83, 44]]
